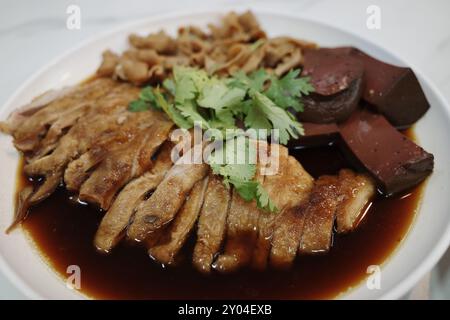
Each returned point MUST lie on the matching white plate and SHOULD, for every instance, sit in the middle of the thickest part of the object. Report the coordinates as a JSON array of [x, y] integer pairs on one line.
[[422, 248]]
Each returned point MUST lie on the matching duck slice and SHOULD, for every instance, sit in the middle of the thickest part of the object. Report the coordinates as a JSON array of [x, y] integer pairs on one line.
[[118, 217], [78, 140], [124, 164], [78, 170], [356, 191], [133, 124], [211, 224], [52, 166], [170, 195], [242, 221], [56, 130], [320, 214], [286, 237], [104, 118], [166, 251], [286, 228], [289, 187], [31, 130], [16, 118]]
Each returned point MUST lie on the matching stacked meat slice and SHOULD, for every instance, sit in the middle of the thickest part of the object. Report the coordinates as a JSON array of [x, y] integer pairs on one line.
[[120, 161], [89, 139]]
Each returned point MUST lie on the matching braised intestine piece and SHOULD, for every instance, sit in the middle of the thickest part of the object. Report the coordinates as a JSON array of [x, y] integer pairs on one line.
[[109, 63], [238, 43]]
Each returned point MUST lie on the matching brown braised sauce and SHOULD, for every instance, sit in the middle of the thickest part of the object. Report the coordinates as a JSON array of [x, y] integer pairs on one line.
[[63, 231]]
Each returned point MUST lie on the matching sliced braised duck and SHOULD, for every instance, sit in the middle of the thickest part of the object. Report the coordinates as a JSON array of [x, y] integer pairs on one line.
[[169, 196], [212, 224], [320, 214], [286, 237], [135, 128], [131, 160], [119, 215], [356, 191], [52, 116], [103, 119], [166, 250], [242, 223], [288, 187]]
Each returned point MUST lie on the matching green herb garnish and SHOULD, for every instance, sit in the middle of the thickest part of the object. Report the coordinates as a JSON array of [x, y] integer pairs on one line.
[[260, 100]]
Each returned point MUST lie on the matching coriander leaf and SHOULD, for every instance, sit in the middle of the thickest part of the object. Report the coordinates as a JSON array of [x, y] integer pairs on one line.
[[254, 81], [237, 154], [287, 91], [223, 119], [263, 199], [138, 106], [147, 95], [250, 190], [169, 85], [258, 79], [189, 82], [171, 111], [217, 95], [246, 189], [185, 89], [146, 101], [256, 118], [190, 111], [279, 118], [225, 162]]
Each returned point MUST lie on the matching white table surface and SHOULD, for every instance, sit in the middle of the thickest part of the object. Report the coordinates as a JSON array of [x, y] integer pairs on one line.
[[33, 32]]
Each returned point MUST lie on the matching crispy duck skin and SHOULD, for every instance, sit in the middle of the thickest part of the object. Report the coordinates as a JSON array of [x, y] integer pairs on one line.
[[320, 214], [211, 224], [288, 188], [169, 196], [117, 218], [166, 250]]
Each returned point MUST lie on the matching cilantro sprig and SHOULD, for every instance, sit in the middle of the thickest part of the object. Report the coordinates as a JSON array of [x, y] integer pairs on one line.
[[224, 162], [259, 100]]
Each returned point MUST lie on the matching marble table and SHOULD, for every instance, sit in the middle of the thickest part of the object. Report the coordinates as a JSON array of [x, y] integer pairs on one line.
[[33, 32]]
